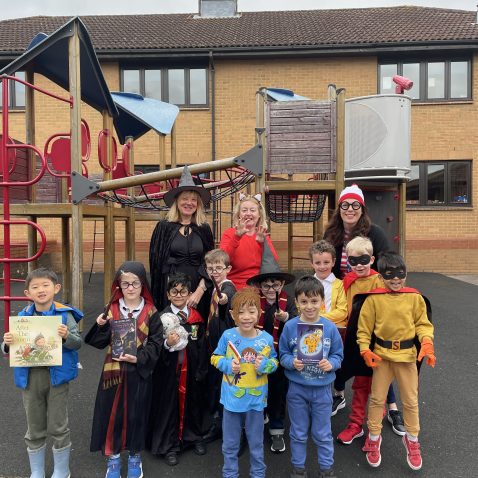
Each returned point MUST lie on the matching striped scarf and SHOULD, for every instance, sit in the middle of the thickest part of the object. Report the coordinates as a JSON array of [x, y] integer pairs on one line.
[[112, 369]]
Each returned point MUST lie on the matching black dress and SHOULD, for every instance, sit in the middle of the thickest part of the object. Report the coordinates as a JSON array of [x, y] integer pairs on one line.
[[171, 252]]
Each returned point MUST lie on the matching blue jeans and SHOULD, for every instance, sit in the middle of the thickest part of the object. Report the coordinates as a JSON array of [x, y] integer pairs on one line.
[[310, 407], [232, 425]]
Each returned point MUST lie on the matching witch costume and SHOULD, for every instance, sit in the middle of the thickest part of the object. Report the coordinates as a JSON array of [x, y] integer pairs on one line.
[[172, 251], [124, 393]]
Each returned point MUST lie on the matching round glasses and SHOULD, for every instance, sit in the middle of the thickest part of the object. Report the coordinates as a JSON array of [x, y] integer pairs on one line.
[[136, 284], [345, 205], [275, 286], [176, 292], [217, 269]]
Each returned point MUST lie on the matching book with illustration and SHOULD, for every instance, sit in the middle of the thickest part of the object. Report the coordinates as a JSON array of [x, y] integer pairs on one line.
[[123, 337], [36, 342], [310, 342]]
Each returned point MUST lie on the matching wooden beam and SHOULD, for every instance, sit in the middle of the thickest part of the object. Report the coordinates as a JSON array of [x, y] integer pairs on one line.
[[130, 227], [65, 259], [173, 147], [162, 152], [297, 185], [340, 138], [402, 223], [75, 125]]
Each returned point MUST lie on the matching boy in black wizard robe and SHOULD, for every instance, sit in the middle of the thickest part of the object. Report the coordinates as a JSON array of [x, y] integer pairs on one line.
[[123, 398], [177, 412], [276, 309]]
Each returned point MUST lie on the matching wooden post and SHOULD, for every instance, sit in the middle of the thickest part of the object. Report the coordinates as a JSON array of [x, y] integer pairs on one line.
[[65, 260], [75, 124], [109, 221], [173, 146], [402, 224], [130, 229], [162, 152], [340, 163], [261, 104]]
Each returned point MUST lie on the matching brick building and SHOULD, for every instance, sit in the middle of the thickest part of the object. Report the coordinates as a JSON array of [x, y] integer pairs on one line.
[[211, 65]]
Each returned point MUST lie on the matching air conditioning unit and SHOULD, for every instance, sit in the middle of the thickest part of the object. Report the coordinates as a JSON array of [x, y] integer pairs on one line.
[[377, 137]]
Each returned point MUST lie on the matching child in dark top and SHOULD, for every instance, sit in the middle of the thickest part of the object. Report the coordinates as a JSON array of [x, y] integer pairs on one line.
[[309, 398], [276, 309], [124, 392], [179, 380], [217, 266], [45, 389]]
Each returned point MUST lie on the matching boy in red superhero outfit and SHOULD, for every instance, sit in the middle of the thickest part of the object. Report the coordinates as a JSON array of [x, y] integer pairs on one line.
[[394, 316]]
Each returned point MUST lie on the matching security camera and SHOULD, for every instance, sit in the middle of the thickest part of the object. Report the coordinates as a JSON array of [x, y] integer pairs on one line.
[[402, 84]]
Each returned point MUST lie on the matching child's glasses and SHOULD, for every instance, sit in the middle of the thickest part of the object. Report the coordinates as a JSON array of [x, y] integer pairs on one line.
[[217, 269], [275, 286], [362, 260], [136, 284], [176, 292], [345, 205]]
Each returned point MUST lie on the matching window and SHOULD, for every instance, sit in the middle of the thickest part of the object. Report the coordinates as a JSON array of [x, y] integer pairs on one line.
[[439, 183], [433, 80], [16, 92], [180, 86]]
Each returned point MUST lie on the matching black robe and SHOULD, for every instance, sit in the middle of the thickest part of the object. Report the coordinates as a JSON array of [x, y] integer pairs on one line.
[[161, 264], [353, 363], [171, 426], [137, 386]]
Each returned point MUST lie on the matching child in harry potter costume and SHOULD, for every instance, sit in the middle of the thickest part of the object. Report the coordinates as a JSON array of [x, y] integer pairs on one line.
[[276, 308], [124, 392], [177, 413], [179, 243]]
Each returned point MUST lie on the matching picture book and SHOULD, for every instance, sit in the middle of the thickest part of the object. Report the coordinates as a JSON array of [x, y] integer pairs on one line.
[[309, 342], [123, 337], [36, 342]]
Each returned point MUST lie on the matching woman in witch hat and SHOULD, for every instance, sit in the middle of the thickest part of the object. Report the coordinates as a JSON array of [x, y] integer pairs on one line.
[[179, 243]]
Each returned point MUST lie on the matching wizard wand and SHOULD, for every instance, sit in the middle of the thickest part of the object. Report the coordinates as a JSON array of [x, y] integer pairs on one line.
[[216, 286]]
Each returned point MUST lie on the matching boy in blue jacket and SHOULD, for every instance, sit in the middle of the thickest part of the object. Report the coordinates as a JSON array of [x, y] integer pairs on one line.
[[45, 389], [309, 398]]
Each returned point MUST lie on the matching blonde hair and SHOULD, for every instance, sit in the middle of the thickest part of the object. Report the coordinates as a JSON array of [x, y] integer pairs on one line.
[[217, 255], [359, 245], [199, 217], [262, 212]]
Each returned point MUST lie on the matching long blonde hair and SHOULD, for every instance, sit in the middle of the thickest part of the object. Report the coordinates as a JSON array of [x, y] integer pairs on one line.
[[199, 217], [262, 212]]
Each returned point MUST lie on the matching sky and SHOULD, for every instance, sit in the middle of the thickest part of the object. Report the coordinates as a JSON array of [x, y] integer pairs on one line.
[[27, 8]]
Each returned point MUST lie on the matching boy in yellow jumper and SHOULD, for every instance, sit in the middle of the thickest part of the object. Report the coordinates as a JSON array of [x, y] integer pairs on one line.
[[395, 315], [362, 278], [334, 307]]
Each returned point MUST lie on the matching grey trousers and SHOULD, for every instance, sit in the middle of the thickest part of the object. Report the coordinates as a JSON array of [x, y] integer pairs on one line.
[[46, 408]]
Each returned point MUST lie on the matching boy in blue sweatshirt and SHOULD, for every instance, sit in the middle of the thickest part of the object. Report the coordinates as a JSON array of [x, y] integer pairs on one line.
[[309, 398]]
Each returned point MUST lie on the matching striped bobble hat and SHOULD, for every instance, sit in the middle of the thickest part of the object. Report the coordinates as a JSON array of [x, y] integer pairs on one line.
[[352, 192]]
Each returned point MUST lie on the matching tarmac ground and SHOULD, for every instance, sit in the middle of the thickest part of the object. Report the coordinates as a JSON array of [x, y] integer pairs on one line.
[[448, 399]]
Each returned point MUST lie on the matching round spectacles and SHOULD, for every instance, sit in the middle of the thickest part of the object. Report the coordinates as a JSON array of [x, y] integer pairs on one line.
[[271, 286], [345, 205], [136, 284], [217, 269], [176, 292]]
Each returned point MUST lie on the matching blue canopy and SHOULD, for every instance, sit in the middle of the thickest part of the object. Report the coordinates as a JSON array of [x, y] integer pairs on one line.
[[281, 94], [137, 115], [48, 56]]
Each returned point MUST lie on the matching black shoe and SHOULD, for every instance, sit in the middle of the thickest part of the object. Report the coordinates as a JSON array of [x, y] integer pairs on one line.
[[214, 433], [243, 445], [327, 473], [278, 444], [337, 404], [298, 473], [396, 420], [171, 458], [200, 448]]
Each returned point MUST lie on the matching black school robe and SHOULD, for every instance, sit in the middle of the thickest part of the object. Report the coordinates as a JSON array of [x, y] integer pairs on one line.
[[137, 387], [162, 264], [177, 423], [353, 363]]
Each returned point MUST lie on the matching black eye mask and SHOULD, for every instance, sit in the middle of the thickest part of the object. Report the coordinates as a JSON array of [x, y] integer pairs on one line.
[[393, 272], [356, 260]]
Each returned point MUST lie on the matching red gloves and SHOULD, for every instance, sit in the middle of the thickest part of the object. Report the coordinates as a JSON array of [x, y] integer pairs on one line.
[[372, 360], [427, 350]]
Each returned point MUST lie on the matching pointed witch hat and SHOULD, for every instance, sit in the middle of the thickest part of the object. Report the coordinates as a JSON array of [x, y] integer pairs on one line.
[[270, 269], [186, 183]]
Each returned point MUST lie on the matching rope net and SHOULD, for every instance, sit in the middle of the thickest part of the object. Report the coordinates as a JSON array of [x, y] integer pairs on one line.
[[284, 207]]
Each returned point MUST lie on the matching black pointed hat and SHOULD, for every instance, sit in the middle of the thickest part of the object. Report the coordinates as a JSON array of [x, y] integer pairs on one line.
[[186, 183], [270, 269]]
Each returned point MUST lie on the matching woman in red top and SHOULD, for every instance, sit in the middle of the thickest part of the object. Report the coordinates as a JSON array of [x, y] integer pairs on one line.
[[244, 242]]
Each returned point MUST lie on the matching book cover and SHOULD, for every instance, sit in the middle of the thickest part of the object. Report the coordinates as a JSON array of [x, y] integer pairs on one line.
[[123, 337], [309, 342], [36, 342]]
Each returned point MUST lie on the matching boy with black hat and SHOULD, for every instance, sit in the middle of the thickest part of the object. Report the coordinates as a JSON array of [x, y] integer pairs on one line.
[[276, 309]]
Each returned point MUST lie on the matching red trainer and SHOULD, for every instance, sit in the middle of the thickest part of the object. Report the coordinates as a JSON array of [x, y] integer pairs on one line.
[[372, 451], [348, 435], [414, 457]]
